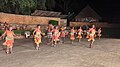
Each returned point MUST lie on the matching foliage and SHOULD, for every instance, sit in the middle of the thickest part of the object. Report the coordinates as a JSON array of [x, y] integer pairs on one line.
[[28, 6], [41, 4], [18, 6]]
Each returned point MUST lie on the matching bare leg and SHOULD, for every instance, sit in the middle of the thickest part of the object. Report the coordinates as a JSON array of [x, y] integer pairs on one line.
[[11, 50], [7, 50], [91, 43], [99, 37], [55, 43], [79, 39], [72, 41], [52, 43], [37, 46], [48, 41], [63, 39]]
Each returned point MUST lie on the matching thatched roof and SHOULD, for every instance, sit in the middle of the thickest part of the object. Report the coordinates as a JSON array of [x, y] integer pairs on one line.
[[88, 12], [46, 13], [43, 13]]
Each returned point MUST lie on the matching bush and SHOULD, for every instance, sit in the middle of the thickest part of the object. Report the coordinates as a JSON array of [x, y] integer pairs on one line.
[[17, 32], [53, 22]]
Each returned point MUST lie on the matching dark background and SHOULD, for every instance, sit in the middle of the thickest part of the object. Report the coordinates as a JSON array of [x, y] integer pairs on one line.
[[109, 10]]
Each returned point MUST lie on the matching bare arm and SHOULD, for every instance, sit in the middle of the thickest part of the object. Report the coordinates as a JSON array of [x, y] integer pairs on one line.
[[33, 32], [14, 34], [3, 34]]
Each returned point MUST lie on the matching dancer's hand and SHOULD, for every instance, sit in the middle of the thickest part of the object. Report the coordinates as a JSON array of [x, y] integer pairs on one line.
[[32, 36]]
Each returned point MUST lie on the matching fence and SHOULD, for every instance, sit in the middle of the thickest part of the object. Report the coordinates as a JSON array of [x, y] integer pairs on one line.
[[25, 19]]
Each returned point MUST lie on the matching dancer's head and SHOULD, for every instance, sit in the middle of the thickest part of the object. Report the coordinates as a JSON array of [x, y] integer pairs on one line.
[[72, 27], [64, 27], [10, 28], [93, 26], [56, 27], [80, 27], [38, 26]]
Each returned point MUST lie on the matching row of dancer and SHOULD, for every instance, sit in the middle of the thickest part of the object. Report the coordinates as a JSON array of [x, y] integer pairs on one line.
[[54, 34], [59, 34]]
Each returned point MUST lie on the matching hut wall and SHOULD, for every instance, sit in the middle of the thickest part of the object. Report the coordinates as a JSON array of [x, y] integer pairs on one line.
[[97, 24], [25, 19]]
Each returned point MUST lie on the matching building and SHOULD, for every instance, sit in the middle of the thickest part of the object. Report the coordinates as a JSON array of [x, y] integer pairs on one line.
[[87, 14]]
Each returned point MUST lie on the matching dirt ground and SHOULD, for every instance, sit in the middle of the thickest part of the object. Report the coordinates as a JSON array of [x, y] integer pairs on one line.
[[105, 53]]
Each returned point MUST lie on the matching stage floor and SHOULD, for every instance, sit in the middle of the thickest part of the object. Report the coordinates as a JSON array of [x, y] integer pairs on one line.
[[105, 53]]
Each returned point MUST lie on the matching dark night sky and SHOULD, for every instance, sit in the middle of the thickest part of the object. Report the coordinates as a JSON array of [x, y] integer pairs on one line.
[[105, 8], [109, 8]]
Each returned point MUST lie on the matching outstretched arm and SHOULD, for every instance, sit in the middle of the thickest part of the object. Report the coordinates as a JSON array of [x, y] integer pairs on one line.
[[14, 34], [3, 34]]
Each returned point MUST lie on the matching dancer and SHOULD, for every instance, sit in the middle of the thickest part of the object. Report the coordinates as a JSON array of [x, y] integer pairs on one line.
[[85, 31], [9, 40], [99, 33], [56, 35], [63, 34], [79, 32], [66, 32], [49, 35], [72, 34], [92, 32], [37, 36]]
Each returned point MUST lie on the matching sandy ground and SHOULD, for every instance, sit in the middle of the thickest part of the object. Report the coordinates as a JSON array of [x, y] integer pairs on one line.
[[105, 53]]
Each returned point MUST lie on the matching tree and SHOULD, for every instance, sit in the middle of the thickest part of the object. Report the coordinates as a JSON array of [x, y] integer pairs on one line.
[[1, 5], [26, 6], [18, 6], [5, 5], [41, 4]]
